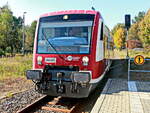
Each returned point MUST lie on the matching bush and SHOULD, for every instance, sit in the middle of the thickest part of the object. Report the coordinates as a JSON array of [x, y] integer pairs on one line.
[[2, 52], [8, 49]]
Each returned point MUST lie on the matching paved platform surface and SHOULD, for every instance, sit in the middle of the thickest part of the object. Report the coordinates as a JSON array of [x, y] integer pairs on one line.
[[121, 96]]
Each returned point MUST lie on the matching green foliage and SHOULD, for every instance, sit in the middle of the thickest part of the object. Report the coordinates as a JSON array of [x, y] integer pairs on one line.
[[30, 34], [139, 17], [11, 32], [5, 23], [8, 50], [9, 29], [2, 52]]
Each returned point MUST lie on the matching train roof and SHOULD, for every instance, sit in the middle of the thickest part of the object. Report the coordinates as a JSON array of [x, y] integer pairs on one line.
[[70, 12]]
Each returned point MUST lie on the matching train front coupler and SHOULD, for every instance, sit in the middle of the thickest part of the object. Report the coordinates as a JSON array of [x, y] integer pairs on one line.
[[59, 86]]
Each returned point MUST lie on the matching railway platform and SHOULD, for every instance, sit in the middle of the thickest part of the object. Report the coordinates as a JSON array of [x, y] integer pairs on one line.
[[122, 96]]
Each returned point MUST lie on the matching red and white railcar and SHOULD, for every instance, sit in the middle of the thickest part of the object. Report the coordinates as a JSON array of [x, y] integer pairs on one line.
[[71, 53]]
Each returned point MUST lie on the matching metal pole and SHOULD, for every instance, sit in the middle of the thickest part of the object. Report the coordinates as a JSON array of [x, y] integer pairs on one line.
[[129, 69], [127, 44], [127, 57], [23, 34]]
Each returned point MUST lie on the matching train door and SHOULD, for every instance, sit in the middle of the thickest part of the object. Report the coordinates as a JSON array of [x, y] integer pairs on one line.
[[100, 47]]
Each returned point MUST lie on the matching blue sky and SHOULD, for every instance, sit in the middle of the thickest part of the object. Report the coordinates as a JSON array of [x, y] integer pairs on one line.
[[113, 11]]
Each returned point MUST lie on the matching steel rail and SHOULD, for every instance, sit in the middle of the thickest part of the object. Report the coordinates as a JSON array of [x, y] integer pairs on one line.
[[32, 106]]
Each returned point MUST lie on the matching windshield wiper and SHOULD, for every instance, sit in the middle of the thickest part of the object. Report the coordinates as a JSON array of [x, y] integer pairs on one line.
[[51, 45]]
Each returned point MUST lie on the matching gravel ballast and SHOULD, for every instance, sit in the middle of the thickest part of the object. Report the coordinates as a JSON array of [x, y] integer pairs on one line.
[[18, 101]]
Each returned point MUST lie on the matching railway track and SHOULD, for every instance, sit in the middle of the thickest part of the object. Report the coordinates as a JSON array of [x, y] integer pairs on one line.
[[33, 105], [58, 104], [47, 104]]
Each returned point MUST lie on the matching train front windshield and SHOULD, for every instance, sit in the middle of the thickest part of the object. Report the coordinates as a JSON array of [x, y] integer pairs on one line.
[[64, 37]]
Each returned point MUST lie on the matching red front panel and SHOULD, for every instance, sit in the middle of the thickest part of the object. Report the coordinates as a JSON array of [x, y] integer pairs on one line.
[[97, 68], [63, 61]]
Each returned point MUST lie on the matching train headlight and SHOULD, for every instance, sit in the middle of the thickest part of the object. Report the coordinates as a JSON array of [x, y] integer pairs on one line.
[[39, 60], [85, 60], [65, 17]]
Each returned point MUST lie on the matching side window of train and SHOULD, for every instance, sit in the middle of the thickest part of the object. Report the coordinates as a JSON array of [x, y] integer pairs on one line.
[[101, 37]]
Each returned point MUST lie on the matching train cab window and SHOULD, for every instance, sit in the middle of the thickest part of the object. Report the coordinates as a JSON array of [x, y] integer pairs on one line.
[[66, 38], [101, 35]]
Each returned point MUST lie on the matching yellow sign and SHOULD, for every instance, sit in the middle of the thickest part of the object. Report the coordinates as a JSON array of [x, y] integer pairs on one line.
[[139, 60]]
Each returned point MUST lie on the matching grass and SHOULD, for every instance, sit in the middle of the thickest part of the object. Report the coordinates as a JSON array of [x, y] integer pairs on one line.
[[9, 94], [15, 66], [132, 53]]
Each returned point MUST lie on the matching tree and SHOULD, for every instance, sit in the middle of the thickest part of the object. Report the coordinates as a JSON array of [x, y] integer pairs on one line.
[[133, 32], [119, 35], [119, 38], [9, 30], [119, 25], [6, 29], [18, 37], [139, 31], [139, 17], [144, 27], [30, 34]]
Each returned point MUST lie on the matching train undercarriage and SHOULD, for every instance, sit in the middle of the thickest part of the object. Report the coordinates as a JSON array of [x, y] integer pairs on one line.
[[65, 81]]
